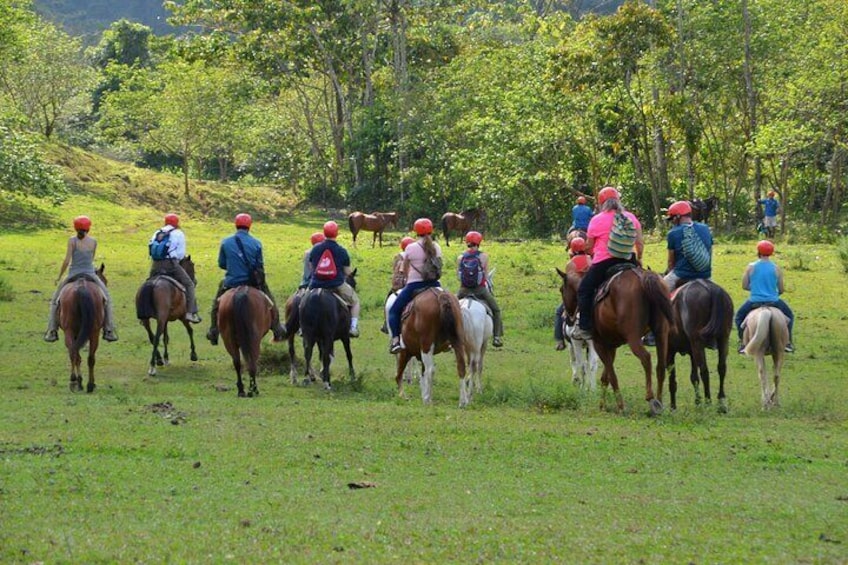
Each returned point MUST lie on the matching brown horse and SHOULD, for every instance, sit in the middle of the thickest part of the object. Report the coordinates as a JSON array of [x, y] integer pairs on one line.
[[628, 305], [766, 331], [461, 222], [701, 209], [376, 222], [244, 317], [81, 313], [433, 325], [703, 318], [162, 297]]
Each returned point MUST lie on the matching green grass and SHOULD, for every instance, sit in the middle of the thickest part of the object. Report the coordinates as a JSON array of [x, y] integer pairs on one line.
[[532, 471]]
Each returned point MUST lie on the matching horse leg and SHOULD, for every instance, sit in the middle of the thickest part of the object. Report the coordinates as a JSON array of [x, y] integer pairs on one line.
[[326, 351], [349, 355], [252, 362], [92, 348], [672, 381], [639, 351], [155, 358], [592, 365], [190, 332], [764, 386], [607, 357], [307, 358], [777, 357], [74, 356], [428, 358], [165, 340], [402, 360], [699, 362], [293, 366], [722, 348], [374, 240], [237, 366]]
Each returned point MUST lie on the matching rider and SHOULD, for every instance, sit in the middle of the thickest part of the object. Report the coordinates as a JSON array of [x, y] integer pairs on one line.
[[170, 265], [680, 269], [598, 236], [481, 289], [80, 257], [771, 207], [315, 239], [398, 275], [765, 281], [337, 283], [580, 216], [239, 255], [581, 261], [417, 254]]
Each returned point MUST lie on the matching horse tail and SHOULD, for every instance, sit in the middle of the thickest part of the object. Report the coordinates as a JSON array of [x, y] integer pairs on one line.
[[759, 342], [144, 305], [451, 318], [85, 315], [351, 223], [721, 308], [656, 293], [242, 329], [445, 227]]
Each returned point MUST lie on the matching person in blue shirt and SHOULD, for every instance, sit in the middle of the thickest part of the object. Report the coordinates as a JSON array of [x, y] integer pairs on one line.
[[680, 269], [240, 254], [580, 216], [771, 206], [765, 281], [324, 277]]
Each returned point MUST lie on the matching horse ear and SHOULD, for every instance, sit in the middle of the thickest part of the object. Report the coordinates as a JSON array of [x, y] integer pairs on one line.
[[560, 273], [188, 257], [102, 267], [353, 274]]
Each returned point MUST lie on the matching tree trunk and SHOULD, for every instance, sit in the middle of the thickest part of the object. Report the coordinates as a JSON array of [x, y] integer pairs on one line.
[[751, 96]]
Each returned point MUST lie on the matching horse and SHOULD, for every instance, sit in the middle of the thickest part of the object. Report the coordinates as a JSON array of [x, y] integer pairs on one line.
[[478, 326], [433, 324], [244, 316], [766, 331], [376, 222], [701, 209], [81, 314], [163, 298], [630, 303], [461, 222], [325, 318], [584, 359], [703, 318]]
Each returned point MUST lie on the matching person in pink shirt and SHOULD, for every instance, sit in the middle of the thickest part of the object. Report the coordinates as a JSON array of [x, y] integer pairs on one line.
[[597, 241]]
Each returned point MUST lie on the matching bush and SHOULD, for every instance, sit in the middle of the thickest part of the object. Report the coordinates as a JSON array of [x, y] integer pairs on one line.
[[23, 170], [842, 249]]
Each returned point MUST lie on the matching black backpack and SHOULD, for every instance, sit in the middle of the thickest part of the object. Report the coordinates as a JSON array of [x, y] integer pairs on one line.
[[470, 270]]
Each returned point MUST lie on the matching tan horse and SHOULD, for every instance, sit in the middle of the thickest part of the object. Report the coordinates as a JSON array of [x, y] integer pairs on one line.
[[766, 331], [244, 317], [81, 314], [460, 223], [434, 325], [376, 222]]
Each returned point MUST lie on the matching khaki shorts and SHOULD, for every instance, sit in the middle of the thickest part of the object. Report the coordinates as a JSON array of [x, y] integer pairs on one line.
[[348, 294], [770, 221]]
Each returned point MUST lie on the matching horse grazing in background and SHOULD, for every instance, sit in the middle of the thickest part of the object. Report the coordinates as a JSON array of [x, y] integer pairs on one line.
[[81, 314], [703, 318], [376, 222], [244, 317], [478, 326], [325, 318], [584, 359], [433, 324], [163, 298], [766, 331], [701, 209], [461, 222], [630, 303]]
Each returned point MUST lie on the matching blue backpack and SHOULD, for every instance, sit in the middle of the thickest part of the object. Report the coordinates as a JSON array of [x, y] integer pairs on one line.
[[159, 245]]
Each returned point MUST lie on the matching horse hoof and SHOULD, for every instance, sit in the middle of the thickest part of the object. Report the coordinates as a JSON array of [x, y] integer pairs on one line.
[[167, 362], [193, 356], [656, 407], [159, 362], [241, 394], [90, 388], [328, 387], [722, 408]]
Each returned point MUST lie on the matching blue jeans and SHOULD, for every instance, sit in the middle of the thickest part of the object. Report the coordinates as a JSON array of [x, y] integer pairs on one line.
[[405, 297], [746, 308]]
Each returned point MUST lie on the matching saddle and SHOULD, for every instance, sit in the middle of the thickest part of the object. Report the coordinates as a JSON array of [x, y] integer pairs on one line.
[[239, 287], [407, 310], [613, 273], [703, 282], [81, 277], [482, 302], [330, 290], [169, 279]]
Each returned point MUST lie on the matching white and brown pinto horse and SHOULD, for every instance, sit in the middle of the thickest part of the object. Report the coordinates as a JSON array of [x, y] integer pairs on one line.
[[376, 222], [766, 332], [478, 326]]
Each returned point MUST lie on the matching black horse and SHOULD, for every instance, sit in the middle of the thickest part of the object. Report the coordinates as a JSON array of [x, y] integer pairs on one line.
[[324, 318], [701, 209]]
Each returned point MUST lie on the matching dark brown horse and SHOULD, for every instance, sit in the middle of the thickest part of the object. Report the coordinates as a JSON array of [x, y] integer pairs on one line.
[[703, 318], [162, 297], [244, 317], [81, 313], [701, 209], [461, 222], [376, 222], [433, 325], [631, 303]]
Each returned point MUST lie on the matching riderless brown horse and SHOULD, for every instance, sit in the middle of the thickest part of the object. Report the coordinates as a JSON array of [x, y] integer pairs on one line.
[[433, 324], [163, 298], [376, 222], [461, 222], [703, 318], [81, 314], [628, 305], [244, 317]]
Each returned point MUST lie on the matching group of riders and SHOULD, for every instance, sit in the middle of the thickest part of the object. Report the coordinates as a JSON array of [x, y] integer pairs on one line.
[[593, 238]]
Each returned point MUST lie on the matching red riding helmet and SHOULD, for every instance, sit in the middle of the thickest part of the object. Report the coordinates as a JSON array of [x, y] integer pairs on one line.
[[317, 237], [577, 245], [331, 229], [607, 193], [679, 208], [765, 248], [581, 200], [82, 223], [405, 242], [244, 221], [473, 238], [172, 220], [423, 226]]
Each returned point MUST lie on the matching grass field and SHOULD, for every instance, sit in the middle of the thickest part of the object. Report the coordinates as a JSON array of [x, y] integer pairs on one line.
[[176, 468]]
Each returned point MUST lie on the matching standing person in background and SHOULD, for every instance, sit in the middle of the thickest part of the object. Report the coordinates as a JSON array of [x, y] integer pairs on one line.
[[472, 270], [771, 206], [330, 269], [580, 216], [765, 281], [168, 263], [79, 254]]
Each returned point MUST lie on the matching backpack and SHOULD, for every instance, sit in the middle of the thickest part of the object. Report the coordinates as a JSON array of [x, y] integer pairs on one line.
[[622, 237], [159, 246], [470, 270], [432, 268], [694, 249], [326, 269]]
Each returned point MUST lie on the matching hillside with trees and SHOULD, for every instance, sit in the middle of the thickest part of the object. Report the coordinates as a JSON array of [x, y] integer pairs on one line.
[[515, 107]]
